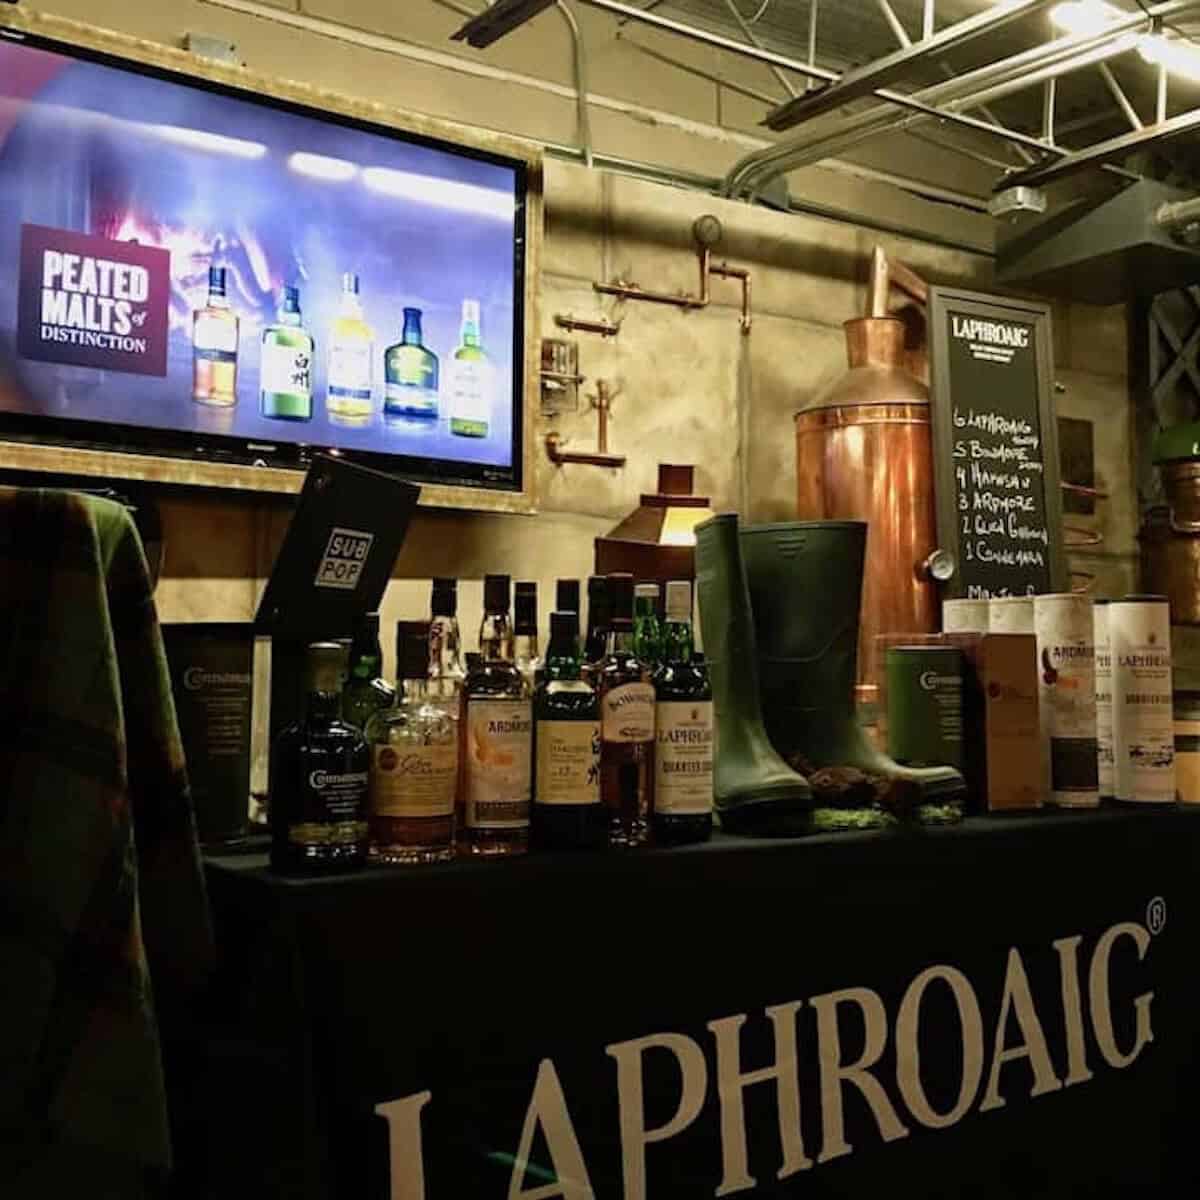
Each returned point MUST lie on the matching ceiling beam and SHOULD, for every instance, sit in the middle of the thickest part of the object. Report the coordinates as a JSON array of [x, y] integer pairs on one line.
[[862, 81]]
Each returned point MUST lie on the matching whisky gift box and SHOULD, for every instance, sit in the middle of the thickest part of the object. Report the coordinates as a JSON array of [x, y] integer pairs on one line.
[[212, 671], [1003, 759]]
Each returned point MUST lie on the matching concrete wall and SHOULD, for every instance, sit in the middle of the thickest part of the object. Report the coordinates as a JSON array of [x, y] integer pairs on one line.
[[692, 388]]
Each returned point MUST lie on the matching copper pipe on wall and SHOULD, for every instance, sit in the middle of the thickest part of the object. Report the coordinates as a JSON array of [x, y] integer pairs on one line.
[[864, 452]]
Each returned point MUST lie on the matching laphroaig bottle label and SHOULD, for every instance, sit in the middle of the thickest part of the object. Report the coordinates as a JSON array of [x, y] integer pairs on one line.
[[1143, 716], [683, 758], [336, 805], [568, 762], [629, 713], [413, 781], [1104, 706], [286, 370], [499, 768]]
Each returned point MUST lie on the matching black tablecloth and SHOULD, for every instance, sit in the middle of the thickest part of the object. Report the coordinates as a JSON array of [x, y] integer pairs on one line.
[[614, 983]]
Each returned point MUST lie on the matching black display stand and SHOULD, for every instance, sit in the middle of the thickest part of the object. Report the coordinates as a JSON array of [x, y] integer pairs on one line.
[[557, 1007], [335, 562]]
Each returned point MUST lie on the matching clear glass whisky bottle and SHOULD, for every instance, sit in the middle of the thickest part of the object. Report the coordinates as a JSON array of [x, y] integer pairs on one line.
[[411, 374], [414, 762], [567, 813], [446, 668], [319, 779], [627, 724], [351, 358], [286, 367], [647, 628], [526, 653], [365, 691], [683, 752], [215, 346], [471, 386], [497, 737]]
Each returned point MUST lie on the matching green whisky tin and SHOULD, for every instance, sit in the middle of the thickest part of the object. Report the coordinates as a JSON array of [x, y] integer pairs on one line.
[[925, 705]]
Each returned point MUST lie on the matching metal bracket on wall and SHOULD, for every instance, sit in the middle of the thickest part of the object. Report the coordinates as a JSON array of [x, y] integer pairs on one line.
[[707, 232], [587, 325], [600, 457]]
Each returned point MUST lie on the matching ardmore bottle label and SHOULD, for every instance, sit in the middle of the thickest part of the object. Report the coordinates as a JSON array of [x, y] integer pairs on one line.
[[413, 781], [498, 770], [629, 713], [568, 762], [683, 758]]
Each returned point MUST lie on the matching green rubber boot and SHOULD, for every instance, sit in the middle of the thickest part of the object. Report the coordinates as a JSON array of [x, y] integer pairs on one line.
[[755, 791], [805, 581]]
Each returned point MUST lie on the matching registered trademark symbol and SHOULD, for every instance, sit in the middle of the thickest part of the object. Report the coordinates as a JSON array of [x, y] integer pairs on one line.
[[1156, 915]]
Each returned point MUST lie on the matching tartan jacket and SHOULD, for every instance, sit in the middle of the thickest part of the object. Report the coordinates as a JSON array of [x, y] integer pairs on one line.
[[101, 889]]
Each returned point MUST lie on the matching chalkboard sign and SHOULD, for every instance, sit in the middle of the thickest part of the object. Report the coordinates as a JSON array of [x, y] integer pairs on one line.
[[995, 444]]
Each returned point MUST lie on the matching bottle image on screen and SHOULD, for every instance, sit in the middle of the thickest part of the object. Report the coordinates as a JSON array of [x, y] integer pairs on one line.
[[215, 346], [285, 390], [351, 351], [470, 389], [411, 374]]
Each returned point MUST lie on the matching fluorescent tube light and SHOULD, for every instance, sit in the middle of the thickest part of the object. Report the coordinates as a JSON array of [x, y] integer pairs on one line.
[[441, 193], [318, 166], [201, 139], [1086, 16], [1180, 58]]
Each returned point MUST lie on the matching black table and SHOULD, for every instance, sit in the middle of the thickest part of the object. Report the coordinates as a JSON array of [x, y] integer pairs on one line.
[[568, 1005]]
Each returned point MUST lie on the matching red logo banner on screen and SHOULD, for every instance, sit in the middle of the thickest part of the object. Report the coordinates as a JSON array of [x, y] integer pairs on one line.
[[93, 302]]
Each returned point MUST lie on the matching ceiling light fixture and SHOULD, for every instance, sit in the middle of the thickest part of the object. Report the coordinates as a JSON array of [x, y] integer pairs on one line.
[[501, 18], [442, 193], [320, 166], [1178, 57], [201, 139], [1086, 16]]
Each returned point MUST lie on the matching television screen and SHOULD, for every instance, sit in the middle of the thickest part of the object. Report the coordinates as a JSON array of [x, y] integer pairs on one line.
[[192, 270]]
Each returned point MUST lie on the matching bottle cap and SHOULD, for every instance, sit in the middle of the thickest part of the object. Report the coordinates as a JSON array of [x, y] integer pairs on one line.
[[445, 598], [412, 314], [620, 590], [350, 283], [525, 608], [647, 591], [564, 627], [566, 596], [496, 593], [216, 280], [412, 649], [291, 299], [326, 665], [470, 311], [599, 600], [679, 601]]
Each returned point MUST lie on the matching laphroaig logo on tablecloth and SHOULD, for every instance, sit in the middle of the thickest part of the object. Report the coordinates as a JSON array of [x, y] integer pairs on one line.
[[93, 302]]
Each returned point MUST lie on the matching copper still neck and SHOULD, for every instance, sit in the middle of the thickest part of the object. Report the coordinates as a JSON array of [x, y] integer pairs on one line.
[[875, 342]]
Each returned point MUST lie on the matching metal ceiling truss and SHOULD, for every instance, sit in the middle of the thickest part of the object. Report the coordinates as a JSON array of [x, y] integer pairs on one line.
[[950, 103]]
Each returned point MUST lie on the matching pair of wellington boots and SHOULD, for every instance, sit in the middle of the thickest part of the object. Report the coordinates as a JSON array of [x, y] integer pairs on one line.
[[779, 610]]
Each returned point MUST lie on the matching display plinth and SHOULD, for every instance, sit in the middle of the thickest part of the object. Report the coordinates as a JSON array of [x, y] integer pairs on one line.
[[599, 996]]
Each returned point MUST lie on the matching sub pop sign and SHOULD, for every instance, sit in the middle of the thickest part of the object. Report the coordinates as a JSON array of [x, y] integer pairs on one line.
[[93, 302], [993, 1031]]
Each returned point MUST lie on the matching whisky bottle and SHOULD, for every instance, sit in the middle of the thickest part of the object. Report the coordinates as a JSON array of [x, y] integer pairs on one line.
[[567, 813], [566, 599], [627, 724], [647, 629], [683, 751], [414, 762], [411, 374], [497, 737], [351, 354], [525, 630], [446, 670], [215, 346], [365, 691], [599, 609], [285, 375], [471, 384], [319, 779]]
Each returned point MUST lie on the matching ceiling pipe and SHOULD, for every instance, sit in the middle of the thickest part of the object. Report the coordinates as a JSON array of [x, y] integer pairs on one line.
[[1178, 215], [1065, 54]]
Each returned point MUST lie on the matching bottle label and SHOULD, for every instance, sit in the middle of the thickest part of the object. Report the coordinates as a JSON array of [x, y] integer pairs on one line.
[[350, 370], [629, 713], [498, 769], [286, 370], [568, 762], [414, 781], [683, 758], [470, 401], [335, 809], [216, 337], [410, 398]]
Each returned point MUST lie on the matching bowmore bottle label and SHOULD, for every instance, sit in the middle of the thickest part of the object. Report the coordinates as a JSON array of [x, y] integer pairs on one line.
[[499, 747], [568, 762], [628, 713], [413, 781], [683, 758]]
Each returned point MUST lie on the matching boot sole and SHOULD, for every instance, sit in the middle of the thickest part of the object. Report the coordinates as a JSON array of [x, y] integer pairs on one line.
[[770, 814]]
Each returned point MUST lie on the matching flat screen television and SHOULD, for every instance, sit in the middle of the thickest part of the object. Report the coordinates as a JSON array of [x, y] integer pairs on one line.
[[193, 270]]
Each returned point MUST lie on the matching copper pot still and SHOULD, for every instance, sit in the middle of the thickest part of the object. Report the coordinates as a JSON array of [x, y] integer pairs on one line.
[[864, 451], [1170, 540]]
